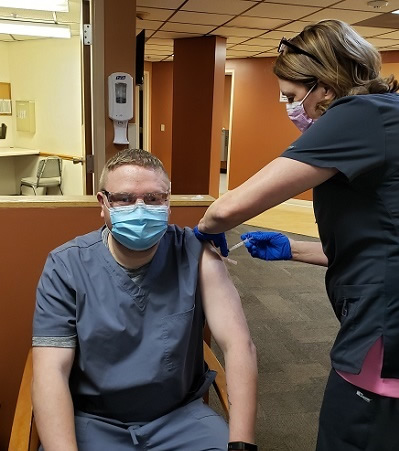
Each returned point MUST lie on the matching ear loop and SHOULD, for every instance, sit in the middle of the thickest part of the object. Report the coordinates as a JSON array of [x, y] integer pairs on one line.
[[310, 90]]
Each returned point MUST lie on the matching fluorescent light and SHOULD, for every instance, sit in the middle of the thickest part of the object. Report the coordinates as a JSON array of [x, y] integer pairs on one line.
[[41, 5], [395, 12], [34, 29]]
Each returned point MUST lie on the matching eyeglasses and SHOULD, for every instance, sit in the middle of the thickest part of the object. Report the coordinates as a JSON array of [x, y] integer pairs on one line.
[[285, 43], [121, 199]]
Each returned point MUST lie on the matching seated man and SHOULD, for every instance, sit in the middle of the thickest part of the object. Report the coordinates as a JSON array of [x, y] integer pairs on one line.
[[118, 327]]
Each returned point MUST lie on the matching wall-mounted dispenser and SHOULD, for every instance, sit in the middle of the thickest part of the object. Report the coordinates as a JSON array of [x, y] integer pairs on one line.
[[120, 104]]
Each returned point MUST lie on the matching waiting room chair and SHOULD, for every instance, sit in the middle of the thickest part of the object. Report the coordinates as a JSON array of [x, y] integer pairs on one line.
[[49, 173], [24, 436]]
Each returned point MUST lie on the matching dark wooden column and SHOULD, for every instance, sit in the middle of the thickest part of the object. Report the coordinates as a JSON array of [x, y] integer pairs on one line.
[[198, 85]]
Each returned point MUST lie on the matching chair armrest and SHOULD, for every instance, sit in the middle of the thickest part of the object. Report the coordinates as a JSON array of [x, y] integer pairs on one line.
[[24, 434], [219, 384]]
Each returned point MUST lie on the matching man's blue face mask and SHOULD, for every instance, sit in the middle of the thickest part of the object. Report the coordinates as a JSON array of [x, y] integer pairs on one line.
[[139, 227]]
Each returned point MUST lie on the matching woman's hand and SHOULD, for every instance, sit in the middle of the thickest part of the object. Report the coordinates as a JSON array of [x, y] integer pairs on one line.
[[268, 245]]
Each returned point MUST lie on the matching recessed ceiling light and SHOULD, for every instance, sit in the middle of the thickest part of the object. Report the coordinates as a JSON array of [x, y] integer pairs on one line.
[[41, 5], [43, 30], [377, 4]]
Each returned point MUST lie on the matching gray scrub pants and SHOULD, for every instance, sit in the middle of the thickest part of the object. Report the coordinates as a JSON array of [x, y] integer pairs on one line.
[[193, 427]]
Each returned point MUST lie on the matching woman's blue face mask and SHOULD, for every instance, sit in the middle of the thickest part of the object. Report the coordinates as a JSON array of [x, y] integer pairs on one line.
[[139, 227]]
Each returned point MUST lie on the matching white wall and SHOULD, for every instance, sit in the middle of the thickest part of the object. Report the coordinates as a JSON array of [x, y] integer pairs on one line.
[[5, 77], [48, 71], [7, 169]]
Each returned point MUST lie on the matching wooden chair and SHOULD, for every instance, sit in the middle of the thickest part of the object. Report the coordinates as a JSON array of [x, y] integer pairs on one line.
[[24, 435]]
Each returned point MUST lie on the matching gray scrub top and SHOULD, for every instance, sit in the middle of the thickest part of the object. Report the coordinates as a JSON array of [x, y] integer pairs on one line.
[[357, 212], [139, 351]]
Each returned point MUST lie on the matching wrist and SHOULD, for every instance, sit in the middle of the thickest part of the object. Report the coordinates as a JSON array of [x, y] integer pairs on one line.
[[242, 446]]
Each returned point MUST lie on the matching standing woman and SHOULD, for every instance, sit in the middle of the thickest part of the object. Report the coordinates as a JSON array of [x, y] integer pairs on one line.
[[349, 154]]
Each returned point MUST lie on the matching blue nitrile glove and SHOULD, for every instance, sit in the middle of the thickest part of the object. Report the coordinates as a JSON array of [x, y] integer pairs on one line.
[[218, 239], [268, 245]]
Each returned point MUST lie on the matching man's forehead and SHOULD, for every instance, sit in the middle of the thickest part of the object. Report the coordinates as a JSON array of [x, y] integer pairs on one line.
[[133, 174]]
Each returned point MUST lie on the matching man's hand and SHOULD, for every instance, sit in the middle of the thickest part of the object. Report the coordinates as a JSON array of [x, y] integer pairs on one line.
[[218, 239], [268, 245]]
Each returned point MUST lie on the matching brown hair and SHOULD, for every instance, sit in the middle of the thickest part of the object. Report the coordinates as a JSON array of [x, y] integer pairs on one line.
[[135, 157], [348, 64]]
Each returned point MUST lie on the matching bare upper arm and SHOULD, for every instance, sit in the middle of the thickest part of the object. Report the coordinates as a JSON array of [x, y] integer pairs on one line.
[[221, 301], [49, 359]]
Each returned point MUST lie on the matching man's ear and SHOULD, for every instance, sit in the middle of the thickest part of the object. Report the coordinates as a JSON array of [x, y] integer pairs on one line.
[[100, 198]]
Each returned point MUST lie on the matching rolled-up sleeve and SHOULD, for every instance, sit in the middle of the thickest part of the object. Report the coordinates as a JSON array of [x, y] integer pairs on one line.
[[54, 322]]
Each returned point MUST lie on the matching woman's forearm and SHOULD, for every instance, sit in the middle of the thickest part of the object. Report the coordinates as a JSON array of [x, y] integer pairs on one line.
[[308, 252]]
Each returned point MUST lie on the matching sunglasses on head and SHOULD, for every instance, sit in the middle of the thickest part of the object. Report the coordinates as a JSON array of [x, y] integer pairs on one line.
[[284, 43]]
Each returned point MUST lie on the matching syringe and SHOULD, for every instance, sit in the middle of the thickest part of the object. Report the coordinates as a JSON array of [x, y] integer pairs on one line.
[[236, 246]]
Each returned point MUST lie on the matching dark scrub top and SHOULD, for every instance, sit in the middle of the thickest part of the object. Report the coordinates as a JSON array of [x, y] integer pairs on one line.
[[139, 351], [357, 212]]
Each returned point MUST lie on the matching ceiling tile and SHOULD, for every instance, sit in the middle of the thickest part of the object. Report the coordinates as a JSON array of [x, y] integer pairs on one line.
[[231, 7], [233, 54], [175, 35], [281, 11], [362, 6], [311, 3], [155, 13], [148, 24], [256, 22], [150, 46], [260, 24], [170, 4], [160, 42], [263, 42], [346, 15], [295, 27], [158, 51], [280, 33], [243, 32], [378, 42], [393, 35], [251, 48], [367, 32], [235, 40], [200, 18], [187, 28], [266, 55]]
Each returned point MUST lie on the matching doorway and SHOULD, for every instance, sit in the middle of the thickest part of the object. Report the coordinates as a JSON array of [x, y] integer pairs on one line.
[[142, 114], [226, 132]]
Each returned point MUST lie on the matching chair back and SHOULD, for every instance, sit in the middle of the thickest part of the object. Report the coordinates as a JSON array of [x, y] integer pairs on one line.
[[49, 167]]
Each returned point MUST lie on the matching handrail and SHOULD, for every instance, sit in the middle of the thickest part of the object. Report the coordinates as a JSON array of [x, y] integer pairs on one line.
[[74, 158]]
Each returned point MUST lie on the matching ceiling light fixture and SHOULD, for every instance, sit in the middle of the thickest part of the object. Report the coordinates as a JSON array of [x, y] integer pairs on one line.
[[43, 30], [395, 12], [377, 4], [40, 5]]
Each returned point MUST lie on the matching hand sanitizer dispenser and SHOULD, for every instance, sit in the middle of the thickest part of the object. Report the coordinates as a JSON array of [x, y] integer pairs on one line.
[[120, 104]]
